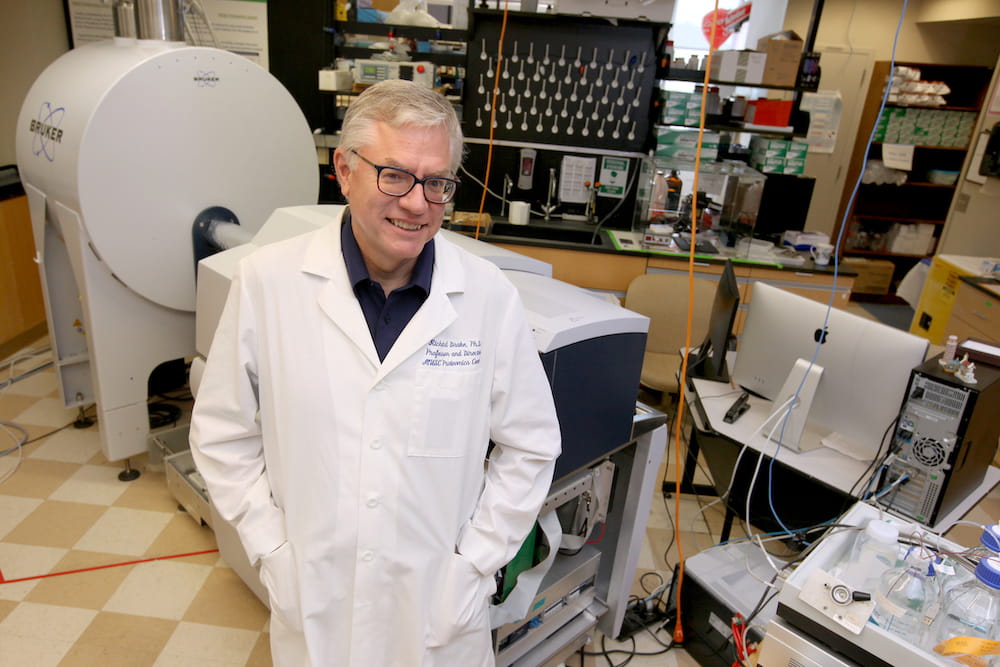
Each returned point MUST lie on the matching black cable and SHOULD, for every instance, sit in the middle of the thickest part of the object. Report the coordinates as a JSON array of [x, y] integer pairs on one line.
[[163, 414], [183, 398], [606, 653], [876, 463], [642, 579], [52, 432]]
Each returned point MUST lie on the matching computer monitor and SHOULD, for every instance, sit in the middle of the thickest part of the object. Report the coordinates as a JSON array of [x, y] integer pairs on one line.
[[709, 361], [784, 206], [865, 364]]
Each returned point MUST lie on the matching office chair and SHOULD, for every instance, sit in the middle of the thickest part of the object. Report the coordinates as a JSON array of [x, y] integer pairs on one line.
[[663, 298]]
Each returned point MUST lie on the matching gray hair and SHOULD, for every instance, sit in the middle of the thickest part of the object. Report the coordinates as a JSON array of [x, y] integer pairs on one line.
[[399, 103]]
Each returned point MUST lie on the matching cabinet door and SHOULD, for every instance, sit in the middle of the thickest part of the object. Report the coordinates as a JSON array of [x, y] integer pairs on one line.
[[975, 314], [812, 285], [23, 313], [848, 73]]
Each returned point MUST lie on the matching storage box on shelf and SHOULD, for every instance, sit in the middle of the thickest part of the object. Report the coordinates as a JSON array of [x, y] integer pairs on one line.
[[784, 51], [437, 57], [748, 69], [900, 219]]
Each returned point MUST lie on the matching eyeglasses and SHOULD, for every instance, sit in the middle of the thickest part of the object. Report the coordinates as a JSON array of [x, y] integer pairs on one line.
[[397, 182]]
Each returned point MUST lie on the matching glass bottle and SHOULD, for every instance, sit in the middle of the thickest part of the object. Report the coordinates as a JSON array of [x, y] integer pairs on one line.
[[674, 186], [970, 614], [875, 550], [989, 544], [903, 596]]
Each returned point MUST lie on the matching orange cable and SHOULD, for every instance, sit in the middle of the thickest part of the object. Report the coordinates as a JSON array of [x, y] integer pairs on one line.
[[678, 629], [493, 113]]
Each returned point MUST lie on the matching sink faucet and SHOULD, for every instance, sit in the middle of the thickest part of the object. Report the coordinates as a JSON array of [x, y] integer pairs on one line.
[[549, 206]]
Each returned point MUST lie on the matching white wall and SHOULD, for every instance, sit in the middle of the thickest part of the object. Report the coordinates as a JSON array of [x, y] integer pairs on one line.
[[32, 34], [869, 26]]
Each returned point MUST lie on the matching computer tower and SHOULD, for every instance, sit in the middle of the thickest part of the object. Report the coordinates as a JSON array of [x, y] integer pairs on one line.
[[718, 583], [945, 441]]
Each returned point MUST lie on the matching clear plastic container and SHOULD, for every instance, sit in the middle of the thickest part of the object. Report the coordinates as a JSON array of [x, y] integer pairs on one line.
[[904, 596], [970, 614], [875, 550]]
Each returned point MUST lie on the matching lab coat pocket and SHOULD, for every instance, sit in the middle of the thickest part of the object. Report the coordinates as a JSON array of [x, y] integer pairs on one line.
[[442, 409], [462, 604], [280, 577]]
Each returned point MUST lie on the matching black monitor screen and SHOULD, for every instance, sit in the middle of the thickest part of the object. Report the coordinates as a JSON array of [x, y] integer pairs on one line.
[[709, 361]]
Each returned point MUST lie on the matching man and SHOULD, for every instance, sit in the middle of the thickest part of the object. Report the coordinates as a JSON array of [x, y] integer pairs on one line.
[[358, 374]]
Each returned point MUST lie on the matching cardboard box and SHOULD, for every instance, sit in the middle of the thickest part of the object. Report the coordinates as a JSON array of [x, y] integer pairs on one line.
[[874, 276], [911, 238], [738, 66], [666, 136], [776, 113], [784, 51]]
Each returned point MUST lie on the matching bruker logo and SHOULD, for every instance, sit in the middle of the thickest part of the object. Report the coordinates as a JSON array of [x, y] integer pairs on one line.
[[821, 335], [47, 131], [206, 79]]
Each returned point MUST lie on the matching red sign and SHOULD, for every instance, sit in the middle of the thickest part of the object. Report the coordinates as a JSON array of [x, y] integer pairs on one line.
[[727, 21]]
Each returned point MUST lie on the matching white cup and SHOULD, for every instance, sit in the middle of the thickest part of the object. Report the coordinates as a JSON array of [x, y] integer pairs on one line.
[[821, 253], [519, 213]]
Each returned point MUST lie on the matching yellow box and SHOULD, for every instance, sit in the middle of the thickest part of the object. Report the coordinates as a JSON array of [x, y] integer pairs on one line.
[[938, 294]]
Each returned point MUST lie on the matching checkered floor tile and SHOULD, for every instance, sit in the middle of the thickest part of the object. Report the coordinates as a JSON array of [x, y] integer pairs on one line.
[[96, 571]]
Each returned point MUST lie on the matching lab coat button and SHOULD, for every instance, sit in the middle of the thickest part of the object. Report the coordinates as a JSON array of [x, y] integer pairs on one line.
[[376, 444], [368, 556], [380, 386], [372, 502]]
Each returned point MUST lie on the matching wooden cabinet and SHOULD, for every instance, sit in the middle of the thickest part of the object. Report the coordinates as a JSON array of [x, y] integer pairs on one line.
[[975, 313], [22, 316], [903, 222]]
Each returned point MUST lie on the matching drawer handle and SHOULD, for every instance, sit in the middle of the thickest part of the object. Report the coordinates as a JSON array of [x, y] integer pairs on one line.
[[980, 315]]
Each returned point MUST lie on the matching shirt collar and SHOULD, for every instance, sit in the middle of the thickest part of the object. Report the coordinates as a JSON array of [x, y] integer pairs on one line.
[[357, 272]]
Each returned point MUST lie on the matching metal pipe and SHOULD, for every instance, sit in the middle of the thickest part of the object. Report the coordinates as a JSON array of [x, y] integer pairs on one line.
[[161, 19], [125, 20]]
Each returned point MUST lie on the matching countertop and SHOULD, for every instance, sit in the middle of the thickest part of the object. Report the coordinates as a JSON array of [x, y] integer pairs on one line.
[[985, 284], [585, 237]]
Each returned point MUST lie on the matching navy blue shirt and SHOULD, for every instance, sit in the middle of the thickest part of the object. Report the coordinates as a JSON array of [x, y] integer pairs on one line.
[[386, 316]]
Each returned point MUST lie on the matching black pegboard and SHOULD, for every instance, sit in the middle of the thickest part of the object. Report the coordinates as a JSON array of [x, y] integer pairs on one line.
[[564, 80]]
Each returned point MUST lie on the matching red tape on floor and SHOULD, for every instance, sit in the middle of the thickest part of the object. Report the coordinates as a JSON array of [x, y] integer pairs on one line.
[[104, 567]]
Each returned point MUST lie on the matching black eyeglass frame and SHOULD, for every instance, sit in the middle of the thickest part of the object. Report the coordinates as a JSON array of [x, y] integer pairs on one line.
[[379, 168]]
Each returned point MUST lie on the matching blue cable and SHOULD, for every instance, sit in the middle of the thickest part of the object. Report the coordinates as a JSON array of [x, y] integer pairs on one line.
[[836, 271]]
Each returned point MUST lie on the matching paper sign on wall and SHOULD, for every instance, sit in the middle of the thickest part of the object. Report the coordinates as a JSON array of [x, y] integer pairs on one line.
[[825, 108], [614, 177]]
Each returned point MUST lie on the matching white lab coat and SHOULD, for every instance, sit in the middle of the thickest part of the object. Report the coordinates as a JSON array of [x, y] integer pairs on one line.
[[359, 486]]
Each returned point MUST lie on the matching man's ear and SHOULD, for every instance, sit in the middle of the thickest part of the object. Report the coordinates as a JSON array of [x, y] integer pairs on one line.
[[343, 169]]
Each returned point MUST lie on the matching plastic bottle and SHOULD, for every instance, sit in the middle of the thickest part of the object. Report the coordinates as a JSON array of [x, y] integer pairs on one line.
[[667, 57], [875, 550], [948, 358], [903, 596], [969, 613], [988, 547], [713, 102]]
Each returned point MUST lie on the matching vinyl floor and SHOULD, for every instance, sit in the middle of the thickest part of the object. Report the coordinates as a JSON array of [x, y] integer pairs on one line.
[[96, 571]]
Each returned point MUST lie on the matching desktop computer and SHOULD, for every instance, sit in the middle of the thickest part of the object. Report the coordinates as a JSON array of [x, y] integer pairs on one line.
[[945, 441]]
